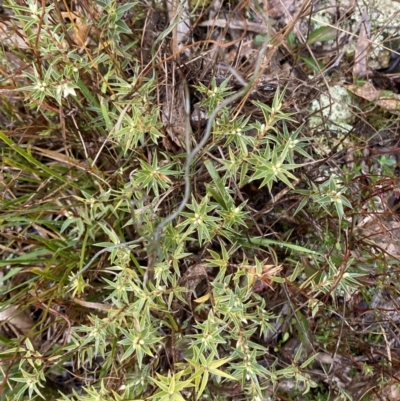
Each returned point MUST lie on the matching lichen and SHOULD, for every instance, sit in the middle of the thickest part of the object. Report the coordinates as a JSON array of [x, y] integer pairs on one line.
[[383, 16], [332, 111]]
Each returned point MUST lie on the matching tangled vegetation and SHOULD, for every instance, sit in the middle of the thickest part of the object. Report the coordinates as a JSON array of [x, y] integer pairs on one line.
[[198, 201]]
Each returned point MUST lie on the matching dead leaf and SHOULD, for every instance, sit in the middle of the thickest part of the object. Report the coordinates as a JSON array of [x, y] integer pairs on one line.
[[232, 24], [260, 281], [203, 299], [360, 67], [18, 318], [92, 305], [178, 13], [11, 36], [282, 8], [80, 29], [386, 99], [384, 235], [174, 115], [191, 279]]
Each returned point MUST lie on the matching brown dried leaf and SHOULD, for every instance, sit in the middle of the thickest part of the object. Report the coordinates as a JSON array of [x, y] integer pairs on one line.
[[387, 100], [20, 319], [360, 68], [385, 235], [92, 305], [80, 29], [174, 115], [192, 278], [178, 10], [390, 392], [265, 278], [11, 36], [282, 8]]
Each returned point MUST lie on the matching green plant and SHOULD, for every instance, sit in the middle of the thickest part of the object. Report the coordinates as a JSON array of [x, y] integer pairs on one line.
[[136, 267]]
